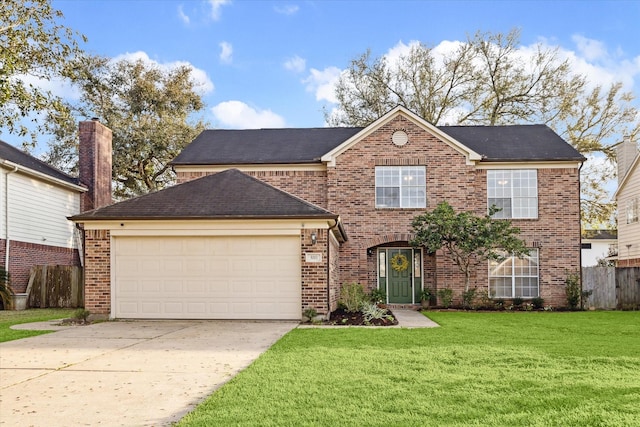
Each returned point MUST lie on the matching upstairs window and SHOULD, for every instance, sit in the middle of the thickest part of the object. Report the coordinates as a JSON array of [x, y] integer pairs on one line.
[[632, 211], [401, 187], [513, 191]]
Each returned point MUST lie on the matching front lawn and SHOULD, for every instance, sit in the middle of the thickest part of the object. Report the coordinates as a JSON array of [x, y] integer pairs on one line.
[[9, 318], [481, 369]]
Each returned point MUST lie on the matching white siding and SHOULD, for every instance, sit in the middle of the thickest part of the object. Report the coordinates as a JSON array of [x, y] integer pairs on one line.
[[628, 234], [599, 250], [38, 211]]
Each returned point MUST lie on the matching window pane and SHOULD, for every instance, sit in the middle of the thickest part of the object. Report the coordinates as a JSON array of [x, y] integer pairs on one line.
[[515, 277], [413, 197], [382, 263], [500, 287], [504, 205], [388, 197], [515, 191], [401, 186]]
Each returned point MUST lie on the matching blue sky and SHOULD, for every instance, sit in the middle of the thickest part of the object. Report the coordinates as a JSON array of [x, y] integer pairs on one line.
[[273, 63]]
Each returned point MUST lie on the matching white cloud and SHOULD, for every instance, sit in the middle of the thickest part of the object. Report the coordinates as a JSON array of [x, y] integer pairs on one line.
[[591, 50], [226, 52], [287, 10], [183, 16], [295, 64], [323, 83], [216, 6], [238, 115], [203, 83]]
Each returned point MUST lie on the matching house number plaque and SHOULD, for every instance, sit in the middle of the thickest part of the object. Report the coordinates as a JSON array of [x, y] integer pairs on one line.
[[313, 257]]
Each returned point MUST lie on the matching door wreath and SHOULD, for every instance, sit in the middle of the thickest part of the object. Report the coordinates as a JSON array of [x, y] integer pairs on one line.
[[399, 262]]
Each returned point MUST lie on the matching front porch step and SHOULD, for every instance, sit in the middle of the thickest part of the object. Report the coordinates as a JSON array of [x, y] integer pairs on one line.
[[404, 306]]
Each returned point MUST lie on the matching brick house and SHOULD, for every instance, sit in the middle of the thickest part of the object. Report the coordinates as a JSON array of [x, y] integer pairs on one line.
[[266, 223], [37, 199]]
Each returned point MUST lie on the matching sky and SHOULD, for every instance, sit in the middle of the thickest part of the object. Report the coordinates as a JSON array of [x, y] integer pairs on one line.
[[274, 63]]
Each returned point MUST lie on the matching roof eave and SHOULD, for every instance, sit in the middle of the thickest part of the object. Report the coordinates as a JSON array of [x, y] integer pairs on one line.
[[43, 176], [81, 219]]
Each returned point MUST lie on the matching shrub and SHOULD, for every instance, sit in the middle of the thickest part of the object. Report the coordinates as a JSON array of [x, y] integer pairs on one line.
[[352, 297], [517, 302], [446, 297], [372, 311], [483, 301], [82, 314], [538, 303], [310, 313], [499, 303], [425, 294], [378, 296], [576, 297], [468, 297]]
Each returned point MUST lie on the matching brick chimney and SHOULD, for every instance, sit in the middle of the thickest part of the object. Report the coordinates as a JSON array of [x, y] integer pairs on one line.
[[626, 152], [95, 164]]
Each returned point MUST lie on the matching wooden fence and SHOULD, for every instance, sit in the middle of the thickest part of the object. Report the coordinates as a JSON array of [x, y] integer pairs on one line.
[[58, 286], [612, 287]]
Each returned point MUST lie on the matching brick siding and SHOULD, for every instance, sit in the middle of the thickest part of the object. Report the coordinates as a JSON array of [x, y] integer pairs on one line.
[[97, 282], [24, 255]]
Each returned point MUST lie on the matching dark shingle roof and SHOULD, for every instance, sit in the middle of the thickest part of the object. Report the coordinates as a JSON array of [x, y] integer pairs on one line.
[[225, 195], [286, 146], [601, 234], [262, 146], [514, 143], [12, 154]]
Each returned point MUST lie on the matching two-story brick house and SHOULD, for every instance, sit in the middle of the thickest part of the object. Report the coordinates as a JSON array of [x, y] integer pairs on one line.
[[265, 223]]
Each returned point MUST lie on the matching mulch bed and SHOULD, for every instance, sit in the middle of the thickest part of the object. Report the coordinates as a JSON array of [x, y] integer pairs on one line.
[[340, 317]]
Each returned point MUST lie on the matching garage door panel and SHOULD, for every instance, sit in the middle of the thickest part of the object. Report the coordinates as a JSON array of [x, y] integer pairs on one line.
[[217, 277]]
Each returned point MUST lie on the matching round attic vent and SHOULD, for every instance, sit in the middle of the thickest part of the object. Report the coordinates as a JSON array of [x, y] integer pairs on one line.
[[400, 138]]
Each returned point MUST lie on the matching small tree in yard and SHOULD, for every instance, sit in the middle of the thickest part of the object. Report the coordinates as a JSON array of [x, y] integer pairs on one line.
[[467, 239]]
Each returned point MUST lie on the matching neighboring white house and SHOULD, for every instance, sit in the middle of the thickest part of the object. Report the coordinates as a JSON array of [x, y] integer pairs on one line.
[[35, 201], [628, 198], [598, 245]]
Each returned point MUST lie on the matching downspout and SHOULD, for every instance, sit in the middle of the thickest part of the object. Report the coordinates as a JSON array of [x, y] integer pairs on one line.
[[6, 216], [580, 231], [328, 273]]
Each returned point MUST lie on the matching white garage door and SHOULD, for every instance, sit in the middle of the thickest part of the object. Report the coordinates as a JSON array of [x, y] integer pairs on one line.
[[254, 277]]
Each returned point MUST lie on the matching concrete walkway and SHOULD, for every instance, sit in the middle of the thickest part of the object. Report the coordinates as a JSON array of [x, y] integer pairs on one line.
[[140, 373], [413, 319]]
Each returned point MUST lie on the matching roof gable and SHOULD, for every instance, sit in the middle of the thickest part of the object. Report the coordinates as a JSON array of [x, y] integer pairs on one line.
[[470, 154], [13, 155], [225, 195], [627, 176]]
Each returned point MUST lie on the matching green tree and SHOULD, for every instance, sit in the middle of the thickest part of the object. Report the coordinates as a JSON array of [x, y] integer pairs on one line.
[[468, 240], [150, 110], [34, 48], [487, 81]]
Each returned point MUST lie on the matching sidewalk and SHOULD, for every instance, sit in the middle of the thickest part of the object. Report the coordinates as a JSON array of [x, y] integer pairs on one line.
[[413, 319]]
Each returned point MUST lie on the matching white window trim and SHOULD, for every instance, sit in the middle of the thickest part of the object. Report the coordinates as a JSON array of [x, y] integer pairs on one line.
[[511, 196], [400, 187], [514, 276]]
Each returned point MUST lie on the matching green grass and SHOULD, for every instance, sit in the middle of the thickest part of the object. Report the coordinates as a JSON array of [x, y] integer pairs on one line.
[[477, 369], [9, 318]]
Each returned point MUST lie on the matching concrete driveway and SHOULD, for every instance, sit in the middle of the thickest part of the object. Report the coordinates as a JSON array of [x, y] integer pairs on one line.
[[132, 373]]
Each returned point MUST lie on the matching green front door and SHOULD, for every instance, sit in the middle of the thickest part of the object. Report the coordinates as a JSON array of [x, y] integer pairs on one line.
[[399, 268]]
